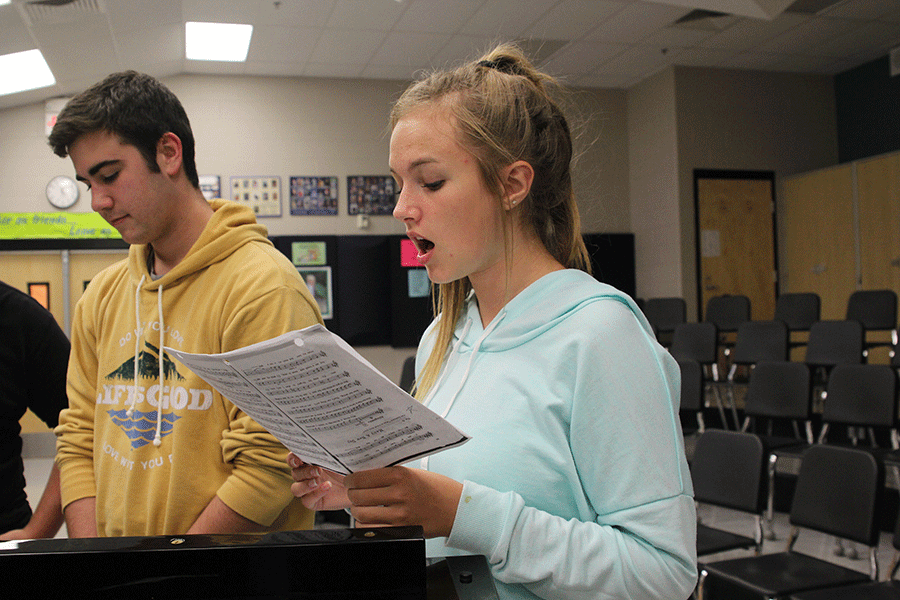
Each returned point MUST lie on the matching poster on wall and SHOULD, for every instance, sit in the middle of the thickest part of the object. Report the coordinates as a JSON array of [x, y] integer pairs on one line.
[[41, 293], [211, 186], [314, 195], [308, 254], [318, 281], [370, 194], [261, 194]]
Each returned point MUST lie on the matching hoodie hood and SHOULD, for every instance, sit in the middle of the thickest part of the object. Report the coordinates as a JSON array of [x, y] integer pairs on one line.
[[230, 227], [536, 309], [540, 307]]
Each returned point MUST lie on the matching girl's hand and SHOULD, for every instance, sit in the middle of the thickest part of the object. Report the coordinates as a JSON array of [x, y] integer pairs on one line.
[[397, 496], [317, 488]]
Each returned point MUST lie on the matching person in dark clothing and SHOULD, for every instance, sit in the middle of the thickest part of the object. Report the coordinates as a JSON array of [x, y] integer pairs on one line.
[[34, 355]]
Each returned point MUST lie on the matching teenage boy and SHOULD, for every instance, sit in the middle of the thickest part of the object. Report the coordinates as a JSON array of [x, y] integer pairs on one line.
[[146, 447]]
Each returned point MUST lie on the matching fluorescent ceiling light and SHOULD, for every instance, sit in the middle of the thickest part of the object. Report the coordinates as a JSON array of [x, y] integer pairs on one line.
[[2, 2], [24, 71], [217, 41]]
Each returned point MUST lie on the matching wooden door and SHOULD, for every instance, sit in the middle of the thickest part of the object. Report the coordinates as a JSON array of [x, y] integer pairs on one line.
[[735, 238]]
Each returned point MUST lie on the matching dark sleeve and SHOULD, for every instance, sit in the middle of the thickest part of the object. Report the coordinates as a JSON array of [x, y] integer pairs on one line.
[[45, 360]]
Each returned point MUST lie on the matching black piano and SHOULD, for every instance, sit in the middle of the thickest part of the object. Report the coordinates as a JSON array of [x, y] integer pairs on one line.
[[335, 564]]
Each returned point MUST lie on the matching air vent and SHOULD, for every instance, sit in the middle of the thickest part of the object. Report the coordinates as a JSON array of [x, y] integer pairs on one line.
[[699, 15], [52, 12], [704, 20]]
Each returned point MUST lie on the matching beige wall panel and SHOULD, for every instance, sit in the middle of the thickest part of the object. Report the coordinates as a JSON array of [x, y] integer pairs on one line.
[[819, 238], [878, 191], [878, 186], [83, 267], [19, 269]]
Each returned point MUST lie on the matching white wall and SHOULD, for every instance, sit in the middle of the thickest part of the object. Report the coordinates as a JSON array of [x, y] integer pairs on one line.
[[655, 213], [688, 118]]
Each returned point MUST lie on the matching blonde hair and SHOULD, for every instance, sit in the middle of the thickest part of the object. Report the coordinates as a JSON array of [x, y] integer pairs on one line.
[[503, 112]]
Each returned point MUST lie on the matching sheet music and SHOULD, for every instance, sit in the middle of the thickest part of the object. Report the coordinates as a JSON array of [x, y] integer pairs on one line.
[[324, 401]]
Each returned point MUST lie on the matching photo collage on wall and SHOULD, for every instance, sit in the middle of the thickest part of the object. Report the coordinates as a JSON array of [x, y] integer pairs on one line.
[[370, 195], [314, 196], [311, 263], [261, 194]]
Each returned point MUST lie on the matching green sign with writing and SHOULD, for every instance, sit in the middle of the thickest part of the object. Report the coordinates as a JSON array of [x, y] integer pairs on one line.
[[55, 226]]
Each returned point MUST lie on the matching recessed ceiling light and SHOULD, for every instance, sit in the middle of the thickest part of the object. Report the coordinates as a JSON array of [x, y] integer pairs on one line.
[[24, 71], [2, 2], [217, 41]]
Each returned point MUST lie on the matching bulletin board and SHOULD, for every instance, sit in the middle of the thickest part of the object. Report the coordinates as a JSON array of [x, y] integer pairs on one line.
[[262, 194]]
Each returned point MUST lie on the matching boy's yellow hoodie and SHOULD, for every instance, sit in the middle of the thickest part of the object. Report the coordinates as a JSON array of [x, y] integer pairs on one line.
[[153, 469]]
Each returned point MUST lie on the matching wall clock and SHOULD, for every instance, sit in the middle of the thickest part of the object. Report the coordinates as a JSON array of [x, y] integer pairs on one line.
[[62, 191]]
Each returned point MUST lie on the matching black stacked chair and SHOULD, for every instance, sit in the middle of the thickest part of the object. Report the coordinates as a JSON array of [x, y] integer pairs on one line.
[[727, 471], [872, 590], [779, 394], [798, 310], [876, 310], [698, 342], [692, 395], [408, 374], [727, 312], [859, 396], [756, 341], [665, 314], [832, 343], [836, 494]]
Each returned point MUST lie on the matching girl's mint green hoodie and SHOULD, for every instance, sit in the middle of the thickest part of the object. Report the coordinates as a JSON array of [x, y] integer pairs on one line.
[[575, 480]]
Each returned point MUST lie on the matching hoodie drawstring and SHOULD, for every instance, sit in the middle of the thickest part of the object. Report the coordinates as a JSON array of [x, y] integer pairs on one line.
[[137, 342], [475, 349], [157, 439]]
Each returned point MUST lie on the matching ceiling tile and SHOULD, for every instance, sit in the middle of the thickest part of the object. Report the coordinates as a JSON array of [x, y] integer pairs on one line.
[[635, 22], [461, 48], [865, 9], [150, 45], [133, 15], [874, 35], [581, 58], [676, 37], [750, 33], [403, 48], [753, 60], [581, 41], [381, 15], [639, 60], [221, 11], [277, 44], [437, 16], [808, 37], [293, 13], [703, 57], [331, 70], [572, 19], [346, 47], [15, 36], [506, 19]]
